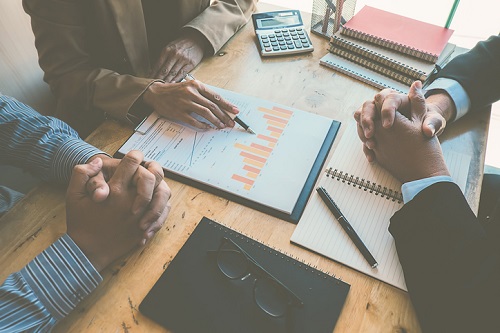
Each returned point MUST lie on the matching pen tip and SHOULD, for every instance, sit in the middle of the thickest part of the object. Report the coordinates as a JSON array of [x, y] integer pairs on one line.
[[250, 130]]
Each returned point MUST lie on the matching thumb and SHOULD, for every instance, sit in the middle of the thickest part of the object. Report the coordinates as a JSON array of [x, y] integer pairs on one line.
[[81, 175], [417, 101]]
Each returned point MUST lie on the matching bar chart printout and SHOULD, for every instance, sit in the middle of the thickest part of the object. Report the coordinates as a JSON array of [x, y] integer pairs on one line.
[[269, 168], [256, 154]]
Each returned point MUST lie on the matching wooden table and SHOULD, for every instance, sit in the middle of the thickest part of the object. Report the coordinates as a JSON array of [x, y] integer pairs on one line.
[[297, 81]]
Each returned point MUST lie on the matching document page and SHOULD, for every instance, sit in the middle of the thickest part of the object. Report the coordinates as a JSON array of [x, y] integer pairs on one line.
[[269, 167]]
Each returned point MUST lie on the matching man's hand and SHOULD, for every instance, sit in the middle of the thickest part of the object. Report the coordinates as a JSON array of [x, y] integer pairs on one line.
[[180, 56], [109, 229], [439, 109], [403, 149], [178, 100], [149, 197]]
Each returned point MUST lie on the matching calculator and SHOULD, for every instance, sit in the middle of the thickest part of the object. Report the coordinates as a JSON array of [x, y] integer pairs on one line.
[[281, 33]]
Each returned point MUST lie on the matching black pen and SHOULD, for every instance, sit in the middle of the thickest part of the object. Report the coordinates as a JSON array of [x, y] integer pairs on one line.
[[236, 118], [327, 199]]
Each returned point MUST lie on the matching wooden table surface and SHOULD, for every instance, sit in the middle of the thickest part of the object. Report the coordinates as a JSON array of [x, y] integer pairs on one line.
[[298, 81]]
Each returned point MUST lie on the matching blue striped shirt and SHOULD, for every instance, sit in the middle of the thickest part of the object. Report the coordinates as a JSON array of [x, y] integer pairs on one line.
[[52, 284]]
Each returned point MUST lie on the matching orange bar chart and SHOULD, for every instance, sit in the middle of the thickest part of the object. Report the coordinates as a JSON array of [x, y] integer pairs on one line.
[[256, 154]]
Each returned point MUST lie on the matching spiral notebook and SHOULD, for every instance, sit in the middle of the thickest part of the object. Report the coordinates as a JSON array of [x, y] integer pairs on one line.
[[403, 34], [361, 73], [395, 65], [193, 295], [368, 196]]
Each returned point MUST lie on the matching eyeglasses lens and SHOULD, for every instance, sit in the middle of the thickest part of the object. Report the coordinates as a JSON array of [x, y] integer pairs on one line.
[[270, 297], [268, 294], [231, 261]]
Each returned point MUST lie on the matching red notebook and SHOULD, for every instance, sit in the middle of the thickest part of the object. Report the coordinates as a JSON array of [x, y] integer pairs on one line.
[[416, 38]]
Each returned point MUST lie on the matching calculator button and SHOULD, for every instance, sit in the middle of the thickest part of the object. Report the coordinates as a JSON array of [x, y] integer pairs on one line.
[[291, 29], [274, 43], [276, 31], [295, 37], [298, 44], [284, 30], [282, 43], [289, 42], [280, 39], [299, 29], [267, 49], [283, 47], [267, 44], [305, 44], [264, 37], [275, 48], [291, 46]]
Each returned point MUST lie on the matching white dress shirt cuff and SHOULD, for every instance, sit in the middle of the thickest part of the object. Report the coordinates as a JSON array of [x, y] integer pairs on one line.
[[411, 189], [456, 92]]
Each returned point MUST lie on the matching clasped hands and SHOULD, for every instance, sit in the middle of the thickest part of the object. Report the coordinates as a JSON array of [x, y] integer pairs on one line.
[[179, 100], [113, 206], [400, 133]]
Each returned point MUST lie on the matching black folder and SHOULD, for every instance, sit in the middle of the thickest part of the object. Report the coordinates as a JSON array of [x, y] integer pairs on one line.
[[193, 295]]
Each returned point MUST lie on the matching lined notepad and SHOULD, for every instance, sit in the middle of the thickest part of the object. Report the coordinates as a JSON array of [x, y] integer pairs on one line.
[[368, 196]]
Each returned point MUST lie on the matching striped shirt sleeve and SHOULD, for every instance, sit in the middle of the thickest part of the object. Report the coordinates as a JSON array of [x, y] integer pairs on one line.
[[51, 285], [47, 289], [44, 146]]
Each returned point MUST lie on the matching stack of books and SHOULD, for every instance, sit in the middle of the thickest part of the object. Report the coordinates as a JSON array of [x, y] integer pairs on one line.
[[387, 50]]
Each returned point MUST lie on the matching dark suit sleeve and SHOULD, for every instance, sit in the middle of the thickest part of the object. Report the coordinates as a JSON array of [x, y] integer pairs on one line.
[[478, 71], [450, 264]]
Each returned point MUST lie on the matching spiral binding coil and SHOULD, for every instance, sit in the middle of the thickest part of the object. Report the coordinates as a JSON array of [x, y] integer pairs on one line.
[[356, 52], [273, 250], [366, 185], [390, 44], [372, 65], [359, 76]]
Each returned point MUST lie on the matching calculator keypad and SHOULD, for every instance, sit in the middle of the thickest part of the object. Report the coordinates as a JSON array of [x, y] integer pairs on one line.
[[284, 41]]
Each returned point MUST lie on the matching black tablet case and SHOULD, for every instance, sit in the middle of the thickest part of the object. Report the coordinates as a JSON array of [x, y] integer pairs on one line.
[[300, 205], [193, 295]]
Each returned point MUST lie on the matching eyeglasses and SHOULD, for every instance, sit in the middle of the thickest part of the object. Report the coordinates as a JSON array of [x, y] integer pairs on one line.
[[271, 295]]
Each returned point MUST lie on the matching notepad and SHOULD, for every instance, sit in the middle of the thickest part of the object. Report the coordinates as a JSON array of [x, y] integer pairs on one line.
[[193, 295], [413, 37], [368, 197], [273, 171]]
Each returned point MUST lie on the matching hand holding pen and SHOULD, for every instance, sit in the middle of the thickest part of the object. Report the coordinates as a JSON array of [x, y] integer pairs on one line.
[[178, 101], [233, 116]]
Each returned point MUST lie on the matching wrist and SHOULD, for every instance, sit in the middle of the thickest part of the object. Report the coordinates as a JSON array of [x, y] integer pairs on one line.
[[84, 241], [198, 39], [444, 104]]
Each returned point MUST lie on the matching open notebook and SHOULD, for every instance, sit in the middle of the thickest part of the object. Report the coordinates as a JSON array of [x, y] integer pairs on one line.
[[368, 196]]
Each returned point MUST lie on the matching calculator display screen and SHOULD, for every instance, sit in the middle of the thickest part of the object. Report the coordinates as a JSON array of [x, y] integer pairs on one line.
[[279, 21]]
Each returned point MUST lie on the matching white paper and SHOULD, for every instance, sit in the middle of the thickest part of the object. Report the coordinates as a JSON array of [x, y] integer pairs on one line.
[[270, 167]]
